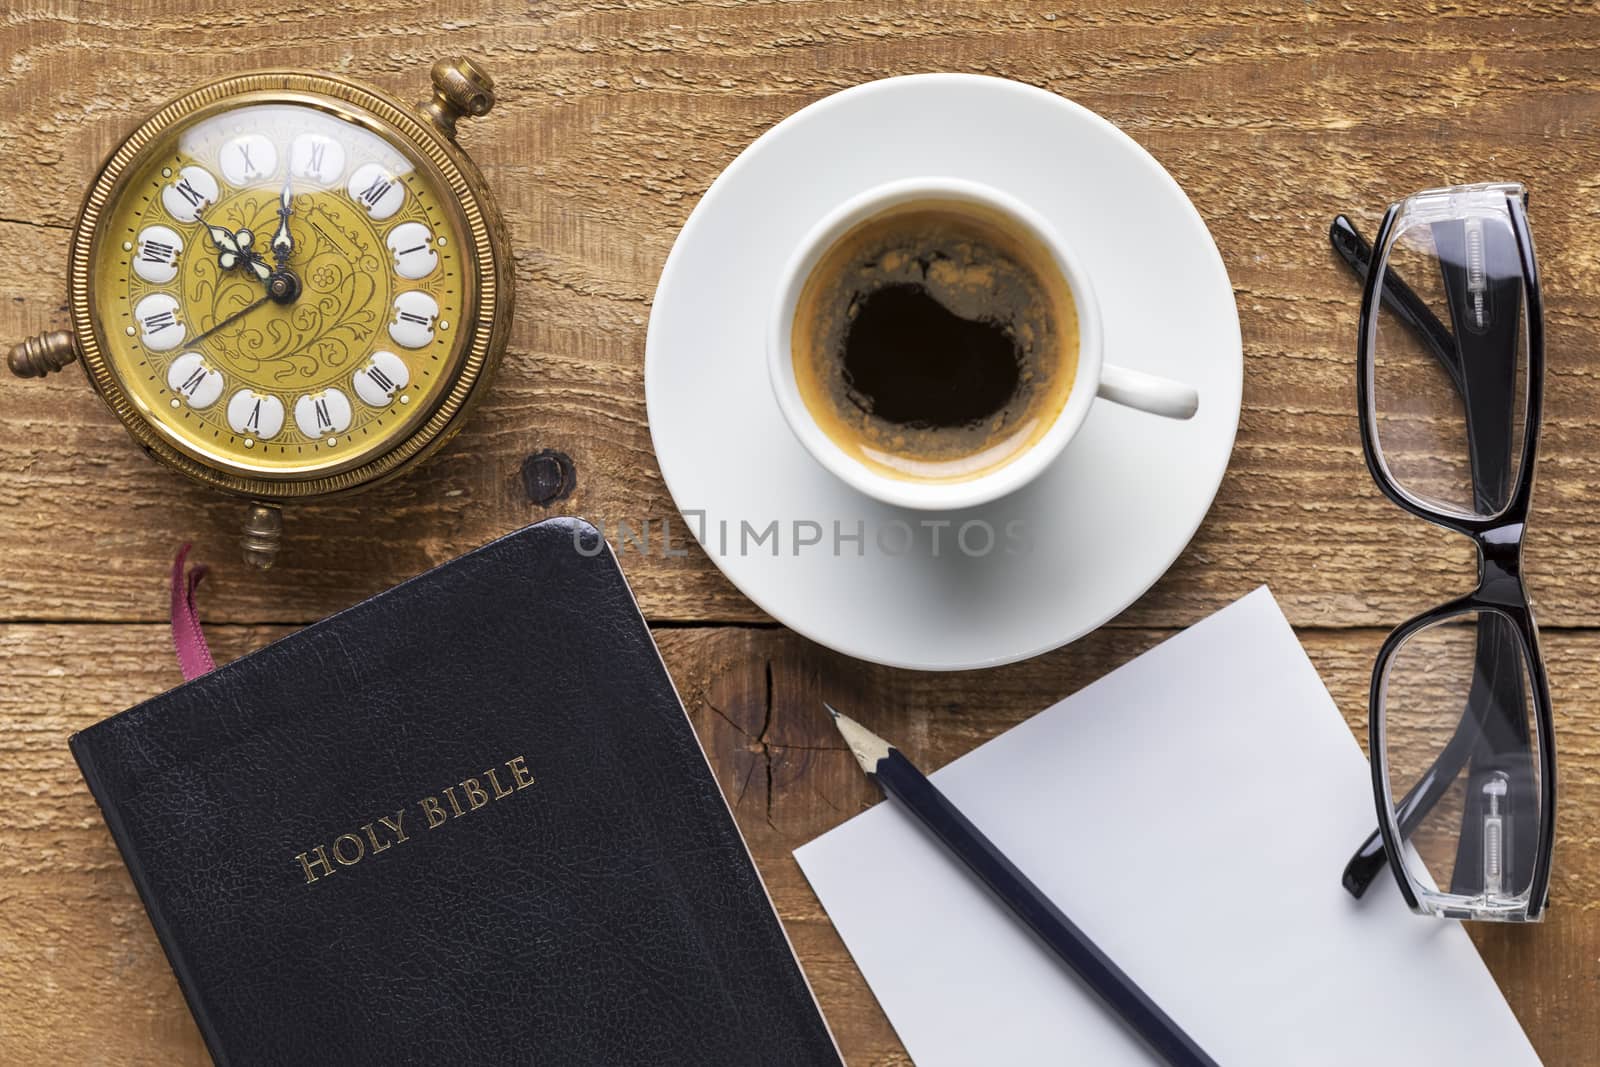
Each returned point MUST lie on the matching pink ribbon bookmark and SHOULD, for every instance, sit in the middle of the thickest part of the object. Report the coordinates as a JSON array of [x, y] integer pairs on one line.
[[194, 655]]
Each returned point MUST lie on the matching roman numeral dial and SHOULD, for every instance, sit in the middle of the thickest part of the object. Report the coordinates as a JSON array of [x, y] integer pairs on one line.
[[248, 158], [195, 381], [317, 158], [156, 259], [323, 413], [412, 246], [161, 326], [377, 190], [415, 313], [284, 290], [384, 375], [189, 194], [255, 416]]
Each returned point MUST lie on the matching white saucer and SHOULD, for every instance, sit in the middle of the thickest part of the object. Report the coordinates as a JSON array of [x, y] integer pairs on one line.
[[1105, 521]]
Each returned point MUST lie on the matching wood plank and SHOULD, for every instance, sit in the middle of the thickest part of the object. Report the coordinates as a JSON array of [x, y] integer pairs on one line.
[[613, 122], [74, 934], [614, 119]]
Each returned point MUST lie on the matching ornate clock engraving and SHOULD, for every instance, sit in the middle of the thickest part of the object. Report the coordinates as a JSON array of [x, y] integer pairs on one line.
[[363, 241], [288, 284]]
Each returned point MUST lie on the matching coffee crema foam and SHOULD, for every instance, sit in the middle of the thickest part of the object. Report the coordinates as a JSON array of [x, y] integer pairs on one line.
[[935, 341]]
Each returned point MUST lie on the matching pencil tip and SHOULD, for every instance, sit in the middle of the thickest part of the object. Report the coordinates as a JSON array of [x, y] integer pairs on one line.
[[867, 747]]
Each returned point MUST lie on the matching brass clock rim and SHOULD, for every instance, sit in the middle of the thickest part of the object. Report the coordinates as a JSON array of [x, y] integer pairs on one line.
[[489, 299], [233, 101]]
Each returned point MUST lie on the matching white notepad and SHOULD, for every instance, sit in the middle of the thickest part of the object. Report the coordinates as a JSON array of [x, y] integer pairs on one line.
[[1192, 812]]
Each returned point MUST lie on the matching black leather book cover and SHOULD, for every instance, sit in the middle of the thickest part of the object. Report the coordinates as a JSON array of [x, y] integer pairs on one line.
[[466, 821]]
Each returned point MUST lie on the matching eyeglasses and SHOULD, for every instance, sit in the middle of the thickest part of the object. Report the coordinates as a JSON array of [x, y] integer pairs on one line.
[[1450, 380]]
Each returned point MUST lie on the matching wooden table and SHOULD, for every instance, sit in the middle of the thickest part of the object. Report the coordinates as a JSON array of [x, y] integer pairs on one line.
[[613, 119]]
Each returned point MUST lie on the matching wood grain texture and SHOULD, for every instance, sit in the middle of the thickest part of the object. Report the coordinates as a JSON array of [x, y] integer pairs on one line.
[[73, 933], [614, 118]]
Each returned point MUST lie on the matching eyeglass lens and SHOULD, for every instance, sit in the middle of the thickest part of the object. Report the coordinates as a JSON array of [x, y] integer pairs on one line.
[[1463, 684], [1449, 398]]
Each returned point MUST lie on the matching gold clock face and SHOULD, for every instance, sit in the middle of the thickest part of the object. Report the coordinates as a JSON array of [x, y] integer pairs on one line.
[[283, 289]]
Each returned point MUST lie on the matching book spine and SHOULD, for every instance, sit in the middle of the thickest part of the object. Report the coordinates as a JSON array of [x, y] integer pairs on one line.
[[83, 753]]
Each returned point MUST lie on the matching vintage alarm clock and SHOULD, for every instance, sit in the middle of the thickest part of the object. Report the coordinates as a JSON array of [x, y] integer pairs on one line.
[[289, 285]]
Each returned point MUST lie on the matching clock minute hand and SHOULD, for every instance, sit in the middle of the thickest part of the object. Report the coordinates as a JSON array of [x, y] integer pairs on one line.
[[231, 319], [283, 240]]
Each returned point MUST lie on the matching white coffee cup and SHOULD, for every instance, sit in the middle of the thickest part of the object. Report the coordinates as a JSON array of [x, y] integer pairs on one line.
[[1094, 377]]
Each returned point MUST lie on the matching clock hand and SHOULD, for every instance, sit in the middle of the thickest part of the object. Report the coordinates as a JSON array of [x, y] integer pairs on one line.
[[250, 257], [233, 250], [223, 238], [231, 319], [283, 240]]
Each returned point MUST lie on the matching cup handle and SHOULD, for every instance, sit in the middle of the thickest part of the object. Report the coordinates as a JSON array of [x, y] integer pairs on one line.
[[1148, 392]]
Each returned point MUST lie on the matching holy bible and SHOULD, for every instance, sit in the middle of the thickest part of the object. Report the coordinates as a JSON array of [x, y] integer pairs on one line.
[[466, 821]]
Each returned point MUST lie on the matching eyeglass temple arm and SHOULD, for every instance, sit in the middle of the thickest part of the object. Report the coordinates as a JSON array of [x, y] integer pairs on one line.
[[1403, 302], [1399, 298], [1370, 858]]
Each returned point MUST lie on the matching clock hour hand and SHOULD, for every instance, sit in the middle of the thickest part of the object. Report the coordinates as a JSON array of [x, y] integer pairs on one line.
[[283, 240], [233, 250], [253, 263], [223, 238]]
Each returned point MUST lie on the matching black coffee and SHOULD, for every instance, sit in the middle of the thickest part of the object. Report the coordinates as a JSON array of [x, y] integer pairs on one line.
[[908, 359], [935, 341]]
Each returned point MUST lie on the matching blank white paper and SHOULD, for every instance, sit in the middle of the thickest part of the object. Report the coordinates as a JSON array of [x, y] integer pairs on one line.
[[1192, 811]]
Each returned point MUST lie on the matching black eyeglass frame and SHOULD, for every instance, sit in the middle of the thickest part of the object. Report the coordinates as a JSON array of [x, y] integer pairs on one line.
[[1499, 539]]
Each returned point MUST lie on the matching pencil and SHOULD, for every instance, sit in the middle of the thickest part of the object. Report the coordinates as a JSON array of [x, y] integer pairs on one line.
[[899, 779]]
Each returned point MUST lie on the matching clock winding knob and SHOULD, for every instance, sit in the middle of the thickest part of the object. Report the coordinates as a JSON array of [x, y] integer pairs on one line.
[[44, 354], [460, 89], [261, 534]]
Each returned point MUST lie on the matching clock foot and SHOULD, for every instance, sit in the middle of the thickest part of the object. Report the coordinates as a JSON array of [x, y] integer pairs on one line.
[[262, 533], [44, 354]]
